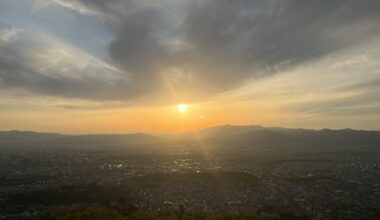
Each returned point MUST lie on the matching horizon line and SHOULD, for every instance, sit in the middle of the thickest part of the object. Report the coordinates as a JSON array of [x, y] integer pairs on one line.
[[188, 131]]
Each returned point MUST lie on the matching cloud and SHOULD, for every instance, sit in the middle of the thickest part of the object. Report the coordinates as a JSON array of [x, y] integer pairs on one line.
[[9, 33], [214, 46], [69, 4], [47, 66], [112, 9], [190, 49]]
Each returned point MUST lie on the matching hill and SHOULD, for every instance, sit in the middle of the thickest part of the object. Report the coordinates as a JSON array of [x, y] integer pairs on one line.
[[248, 135], [225, 135], [30, 138]]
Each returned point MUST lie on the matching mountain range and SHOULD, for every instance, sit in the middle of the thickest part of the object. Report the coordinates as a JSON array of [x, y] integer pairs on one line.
[[220, 135]]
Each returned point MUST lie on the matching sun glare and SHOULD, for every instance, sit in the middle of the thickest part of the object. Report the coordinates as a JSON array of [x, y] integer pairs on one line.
[[182, 107]]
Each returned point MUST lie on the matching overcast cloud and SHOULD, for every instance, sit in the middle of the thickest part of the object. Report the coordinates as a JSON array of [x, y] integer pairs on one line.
[[174, 49]]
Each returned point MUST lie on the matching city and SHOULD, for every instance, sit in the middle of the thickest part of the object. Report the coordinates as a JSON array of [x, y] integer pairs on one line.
[[323, 183]]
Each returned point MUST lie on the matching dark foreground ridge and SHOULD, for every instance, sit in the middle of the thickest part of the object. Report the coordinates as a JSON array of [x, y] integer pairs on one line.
[[117, 211]]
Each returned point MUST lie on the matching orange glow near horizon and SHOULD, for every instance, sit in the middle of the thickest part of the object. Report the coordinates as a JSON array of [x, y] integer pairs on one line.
[[153, 119]]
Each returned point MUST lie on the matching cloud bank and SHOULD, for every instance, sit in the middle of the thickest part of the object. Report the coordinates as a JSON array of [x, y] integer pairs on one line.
[[184, 49]]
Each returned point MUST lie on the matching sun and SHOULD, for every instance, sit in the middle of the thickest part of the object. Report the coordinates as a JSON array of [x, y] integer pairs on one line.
[[182, 107]]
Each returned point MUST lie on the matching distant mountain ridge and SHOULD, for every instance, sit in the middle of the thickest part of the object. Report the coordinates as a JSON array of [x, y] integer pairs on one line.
[[255, 134], [223, 135], [25, 137], [16, 136]]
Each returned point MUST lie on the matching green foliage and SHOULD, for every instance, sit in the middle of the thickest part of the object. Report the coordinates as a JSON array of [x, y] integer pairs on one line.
[[186, 217], [79, 214], [200, 215], [71, 195], [144, 214], [120, 211], [167, 214]]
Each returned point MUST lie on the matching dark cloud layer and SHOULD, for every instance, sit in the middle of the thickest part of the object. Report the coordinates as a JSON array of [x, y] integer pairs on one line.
[[206, 47], [222, 43], [37, 66]]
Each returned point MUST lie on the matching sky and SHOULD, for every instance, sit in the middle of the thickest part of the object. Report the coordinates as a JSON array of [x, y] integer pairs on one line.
[[118, 66]]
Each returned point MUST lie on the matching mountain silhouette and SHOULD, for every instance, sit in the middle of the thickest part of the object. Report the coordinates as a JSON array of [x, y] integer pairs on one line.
[[220, 135]]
